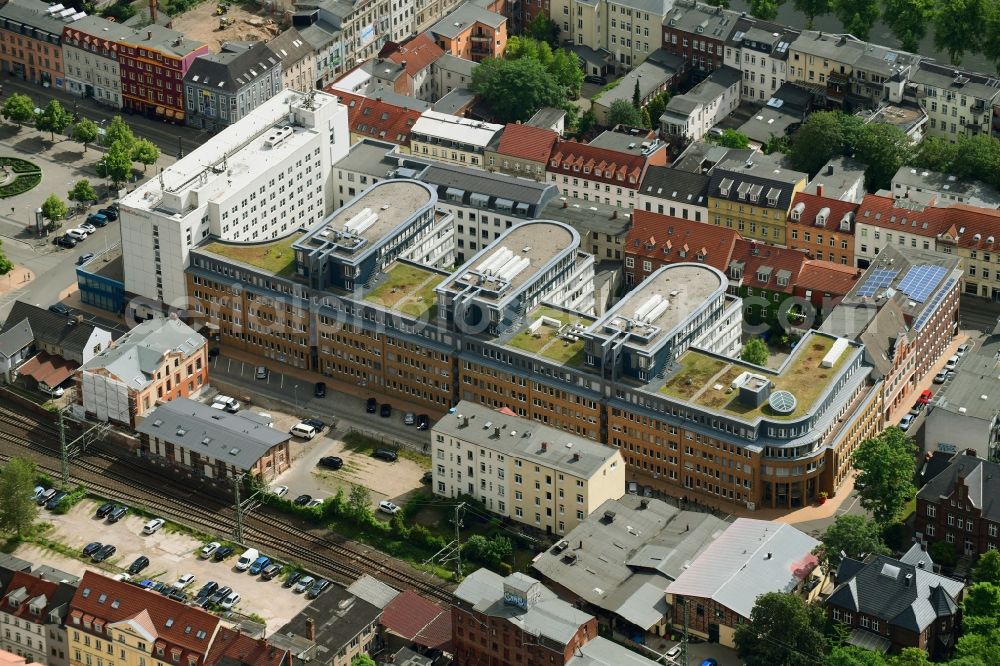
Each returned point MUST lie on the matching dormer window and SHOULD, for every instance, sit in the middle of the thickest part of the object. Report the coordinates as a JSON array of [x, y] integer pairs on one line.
[[797, 211], [762, 277], [822, 216], [724, 187], [736, 273], [597, 173]]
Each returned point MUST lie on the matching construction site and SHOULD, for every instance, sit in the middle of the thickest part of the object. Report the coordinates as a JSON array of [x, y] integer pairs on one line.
[[217, 23]]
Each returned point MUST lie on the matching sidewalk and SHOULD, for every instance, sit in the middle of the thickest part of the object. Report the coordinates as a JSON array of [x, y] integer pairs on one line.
[[927, 381]]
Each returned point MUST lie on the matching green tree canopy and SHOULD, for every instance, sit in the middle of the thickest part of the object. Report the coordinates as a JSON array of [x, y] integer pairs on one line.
[[543, 29], [981, 608], [54, 208], [812, 9], [6, 265], [755, 351], [17, 505], [849, 655], [732, 139], [560, 63], [360, 500], [119, 132], [783, 629], [978, 157], [976, 649], [943, 553], [884, 149], [488, 551], [621, 112], [85, 132], [515, 89], [887, 464], [959, 27], [936, 154], [18, 109], [910, 657], [362, 660], [83, 192], [657, 106], [145, 152], [636, 97], [765, 10], [824, 135], [53, 118], [116, 164], [908, 20], [988, 568], [857, 16], [854, 536]]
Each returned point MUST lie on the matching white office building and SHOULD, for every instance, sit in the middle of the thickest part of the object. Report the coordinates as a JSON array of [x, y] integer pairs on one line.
[[257, 180]]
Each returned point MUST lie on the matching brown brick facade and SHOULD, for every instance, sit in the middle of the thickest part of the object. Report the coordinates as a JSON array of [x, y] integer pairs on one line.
[[483, 640]]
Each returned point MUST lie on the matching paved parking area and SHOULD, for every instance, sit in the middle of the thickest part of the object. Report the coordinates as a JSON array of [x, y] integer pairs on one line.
[[171, 555]]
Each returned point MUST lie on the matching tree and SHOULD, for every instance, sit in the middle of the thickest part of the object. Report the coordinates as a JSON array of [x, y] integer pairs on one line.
[[812, 9], [145, 152], [19, 109], [849, 536], [116, 164], [647, 122], [777, 144], [820, 138], [850, 655], [981, 608], [782, 629], [887, 464], [765, 10], [6, 265], [908, 20], [622, 112], [857, 16], [489, 552], [85, 132], [732, 139], [943, 553], [17, 506], [362, 660], [987, 569], [636, 97], [910, 657], [755, 351], [936, 154], [978, 157], [565, 66], [543, 29], [959, 27], [82, 193], [119, 132], [588, 120], [54, 208], [657, 106], [978, 649], [359, 501], [884, 149], [53, 118], [515, 89]]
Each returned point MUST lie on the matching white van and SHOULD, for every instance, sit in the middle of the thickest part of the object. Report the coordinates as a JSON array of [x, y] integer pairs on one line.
[[303, 430], [231, 405], [246, 559]]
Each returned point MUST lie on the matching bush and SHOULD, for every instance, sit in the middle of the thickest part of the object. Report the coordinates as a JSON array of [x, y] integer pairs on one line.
[[17, 165], [20, 185], [70, 500]]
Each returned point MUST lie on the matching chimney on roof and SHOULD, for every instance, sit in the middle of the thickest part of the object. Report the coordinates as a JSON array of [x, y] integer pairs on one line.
[[908, 579], [819, 190], [614, 214], [829, 169], [149, 35], [311, 629], [152, 13], [402, 64], [565, 205]]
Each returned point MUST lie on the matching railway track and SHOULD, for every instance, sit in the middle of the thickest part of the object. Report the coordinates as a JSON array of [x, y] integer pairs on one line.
[[124, 480]]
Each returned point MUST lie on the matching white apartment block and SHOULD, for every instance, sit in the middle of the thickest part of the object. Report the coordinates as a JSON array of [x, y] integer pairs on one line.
[[957, 103], [523, 470], [91, 67], [263, 177], [629, 29], [452, 139], [32, 612], [695, 112], [760, 53]]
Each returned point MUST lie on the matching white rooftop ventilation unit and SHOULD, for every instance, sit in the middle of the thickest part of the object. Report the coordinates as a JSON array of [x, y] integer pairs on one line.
[[277, 135], [361, 222]]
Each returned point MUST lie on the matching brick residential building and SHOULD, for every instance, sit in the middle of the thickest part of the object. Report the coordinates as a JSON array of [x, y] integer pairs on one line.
[[522, 150], [153, 65], [957, 506], [32, 611], [471, 32], [698, 33], [823, 227], [376, 119], [608, 173]]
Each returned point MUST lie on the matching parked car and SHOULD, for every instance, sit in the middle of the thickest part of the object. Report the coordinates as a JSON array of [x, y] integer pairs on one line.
[[280, 491], [98, 219], [423, 422], [385, 410], [259, 564], [333, 462], [54, 501], [594, 78], [963, 350], [313, 502], [302, 500], [918, 407], [103, 553], [319, 390], [303, 430], [147, 583], [385, 454], [941, 377], [78, 234], [371, 406], [388, 507], [409, 418], [231, 600], [673, 652], [110, 213], [209, 549], [951, 363], [223, 553], [427, 477], [37, 492], [270, 571], [317, 588], [44, 497], [88, 227], [138, 565], [248, 557], [906, 422], [260, 372], [292, 579], [315, 423], [207, 589], [117, 514], [303, 584], [66, 241], [105, 509], [925, 396], [178, 595], [82, 259], [184, 581], [92, 548], [152, 526], [220, 594], [226, 403]]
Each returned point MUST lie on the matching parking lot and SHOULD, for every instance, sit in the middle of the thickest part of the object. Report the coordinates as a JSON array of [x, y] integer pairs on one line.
[[171, 554]]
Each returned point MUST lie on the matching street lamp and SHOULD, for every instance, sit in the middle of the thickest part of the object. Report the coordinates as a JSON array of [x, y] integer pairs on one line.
[[295, 389]]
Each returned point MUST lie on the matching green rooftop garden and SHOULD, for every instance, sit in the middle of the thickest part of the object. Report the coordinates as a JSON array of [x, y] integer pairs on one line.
[[276, 257], [408, 289], [696, 370], [545, 339]]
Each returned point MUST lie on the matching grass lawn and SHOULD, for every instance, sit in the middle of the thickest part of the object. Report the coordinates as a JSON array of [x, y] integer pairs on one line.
[[362, 444], [408, 289], [715, 399], [695, 371], [546, 342], [276, 257]]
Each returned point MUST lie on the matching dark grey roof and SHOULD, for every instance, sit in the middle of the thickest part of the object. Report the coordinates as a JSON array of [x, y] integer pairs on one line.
[[546, 117], [980, 86], [760, 170], [450, 63], [50, 328], [455, 101], [16, 338], [33, 13], [767, 123], [702, 157], [198, 427], [518, 190], [974, 378], [338, 615], [587, 216], [290, 47], [231, 72], [982, 478], [674, 185], [900, 594], [702, 21], [464, 16]]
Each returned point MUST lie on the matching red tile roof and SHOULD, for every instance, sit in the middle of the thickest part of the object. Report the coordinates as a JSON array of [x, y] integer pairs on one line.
[[662, 237], [957, 223], [812, 204], [581, 160], [231, 647], [827, 277], [418, 53], [173, 625], [377, 119], [527, 142], [417, 619], [34, 587], [757, 255]]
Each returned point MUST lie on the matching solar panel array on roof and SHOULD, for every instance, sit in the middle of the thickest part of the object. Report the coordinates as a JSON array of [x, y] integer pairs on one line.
[[880, 279], [931, 308], [920, 281]]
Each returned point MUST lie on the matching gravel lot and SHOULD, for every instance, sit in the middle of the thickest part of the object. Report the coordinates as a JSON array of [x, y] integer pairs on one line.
[[171, 555]]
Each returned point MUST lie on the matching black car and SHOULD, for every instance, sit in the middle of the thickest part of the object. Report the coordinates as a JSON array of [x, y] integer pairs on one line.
[[315, 423], [371, 406], [65, 241], [213, 353], [220, 594], [55, 500], [177, 595], [302, 500], [427, 477], [160, 586], [60, 309], [117, 514], [320, 390], [423, 422], [105, 509], [84, 258], [292, 579], [385, 454], [110, 213], [333, 462], [270, 571], [385, 411], [207, 590], [140, 563], [103, 553], [92, 548], [222, 553], [317, 588], [594, 78]]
